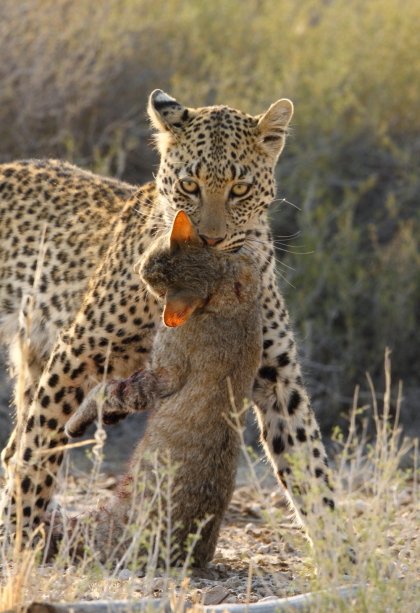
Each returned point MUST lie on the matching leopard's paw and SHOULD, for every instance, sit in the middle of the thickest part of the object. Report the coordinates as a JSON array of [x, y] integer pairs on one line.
[[86, 413]]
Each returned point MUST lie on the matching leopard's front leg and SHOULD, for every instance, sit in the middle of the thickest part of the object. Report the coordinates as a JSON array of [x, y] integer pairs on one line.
[[33, 463], [289, 430], [292, 441]]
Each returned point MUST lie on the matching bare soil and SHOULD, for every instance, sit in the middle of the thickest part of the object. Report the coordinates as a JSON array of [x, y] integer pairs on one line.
[[252, 561]]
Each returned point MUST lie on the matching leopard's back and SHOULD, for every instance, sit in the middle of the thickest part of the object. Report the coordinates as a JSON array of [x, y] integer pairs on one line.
[[56, 222]]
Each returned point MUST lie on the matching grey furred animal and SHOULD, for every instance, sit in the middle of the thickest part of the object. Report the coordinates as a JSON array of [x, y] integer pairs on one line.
[[203, 365]]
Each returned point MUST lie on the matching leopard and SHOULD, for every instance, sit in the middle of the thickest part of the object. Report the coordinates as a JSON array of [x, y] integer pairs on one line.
[[69, 244]]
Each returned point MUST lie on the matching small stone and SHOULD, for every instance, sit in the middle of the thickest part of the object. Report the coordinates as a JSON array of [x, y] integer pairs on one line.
[[360, 507], [264, 549], [125, 574], [221, 568], [230, 599], [253, 529], [158, 583], [404, 497], [255, 510], [215, 595], [109, 483], [228, 553], [404, 554]]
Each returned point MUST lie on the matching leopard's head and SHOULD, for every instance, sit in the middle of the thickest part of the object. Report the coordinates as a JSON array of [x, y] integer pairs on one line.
[[217, 164]]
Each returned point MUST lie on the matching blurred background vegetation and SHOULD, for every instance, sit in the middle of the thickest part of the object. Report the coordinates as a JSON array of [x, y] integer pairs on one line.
[[75, 76]]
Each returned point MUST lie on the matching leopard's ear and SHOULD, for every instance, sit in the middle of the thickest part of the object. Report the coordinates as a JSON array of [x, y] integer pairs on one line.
[[166, 113], [178, 309], [272, 127], [183, 232]]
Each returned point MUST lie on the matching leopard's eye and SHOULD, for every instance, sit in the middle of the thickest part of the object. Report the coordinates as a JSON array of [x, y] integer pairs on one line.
[[190, 187], [240, 189]]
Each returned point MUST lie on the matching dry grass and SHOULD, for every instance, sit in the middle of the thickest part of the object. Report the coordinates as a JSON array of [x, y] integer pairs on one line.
[[259, 553]]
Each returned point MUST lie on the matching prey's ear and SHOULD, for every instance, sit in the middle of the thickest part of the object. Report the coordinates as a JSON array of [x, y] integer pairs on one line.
[[178, 309], [272, 127], [166, 114], [183, 232]]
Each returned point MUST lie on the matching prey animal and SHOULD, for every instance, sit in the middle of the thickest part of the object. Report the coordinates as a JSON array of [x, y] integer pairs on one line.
[[203, 364]]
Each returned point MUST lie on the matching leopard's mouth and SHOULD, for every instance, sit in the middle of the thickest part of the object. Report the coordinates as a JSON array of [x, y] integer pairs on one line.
[[233, 249], [231, 246]]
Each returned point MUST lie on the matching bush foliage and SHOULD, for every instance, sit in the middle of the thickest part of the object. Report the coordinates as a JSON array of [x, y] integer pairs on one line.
[[75, 77]]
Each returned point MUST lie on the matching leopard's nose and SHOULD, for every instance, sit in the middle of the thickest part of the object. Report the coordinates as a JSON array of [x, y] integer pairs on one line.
[[212, 241]]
